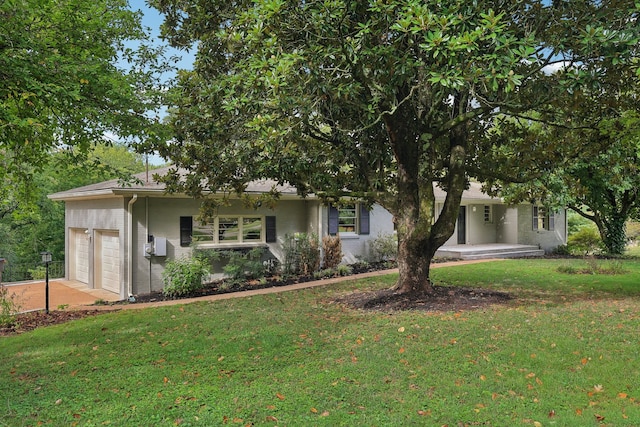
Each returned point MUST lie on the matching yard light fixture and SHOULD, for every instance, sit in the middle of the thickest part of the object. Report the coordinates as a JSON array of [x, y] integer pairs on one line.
[[46, 259]]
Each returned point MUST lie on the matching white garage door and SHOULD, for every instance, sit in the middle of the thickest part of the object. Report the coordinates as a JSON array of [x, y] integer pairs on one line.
[[109, 261], [81, 256]]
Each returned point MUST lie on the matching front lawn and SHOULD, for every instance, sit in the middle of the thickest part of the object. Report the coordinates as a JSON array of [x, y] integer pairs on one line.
[[564, 353]]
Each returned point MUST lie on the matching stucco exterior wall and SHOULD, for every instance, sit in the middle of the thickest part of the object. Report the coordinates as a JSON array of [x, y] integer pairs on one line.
[[545, 239], [160, 217], [506, 224], [356, 246], [479, 231]]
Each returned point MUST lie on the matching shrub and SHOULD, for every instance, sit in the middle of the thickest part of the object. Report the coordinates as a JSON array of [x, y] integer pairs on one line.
[[384, 247], [332, 249], [8, 307], [183, 276], [344, 270], [585, 241], [244, 266], [633, 231], [301, 254]]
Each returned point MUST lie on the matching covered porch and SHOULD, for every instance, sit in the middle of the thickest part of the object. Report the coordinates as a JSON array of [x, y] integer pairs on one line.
[[489, 250]]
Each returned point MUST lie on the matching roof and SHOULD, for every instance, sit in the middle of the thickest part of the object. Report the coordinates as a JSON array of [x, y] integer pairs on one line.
[[145, 184]]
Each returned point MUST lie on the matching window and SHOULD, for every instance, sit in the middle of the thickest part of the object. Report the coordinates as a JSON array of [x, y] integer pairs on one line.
[[351, 218], [229, 229], [543, 218], [347, 219], [186, 230], [488, 217]]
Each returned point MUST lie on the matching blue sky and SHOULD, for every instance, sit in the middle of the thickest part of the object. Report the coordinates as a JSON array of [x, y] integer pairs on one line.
[[153, 19]]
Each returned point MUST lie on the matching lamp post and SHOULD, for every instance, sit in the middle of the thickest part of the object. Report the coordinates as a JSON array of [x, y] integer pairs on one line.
[[46, 259]]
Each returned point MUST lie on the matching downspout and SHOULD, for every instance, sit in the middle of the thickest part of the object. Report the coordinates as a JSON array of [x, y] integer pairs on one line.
[[130, 243]]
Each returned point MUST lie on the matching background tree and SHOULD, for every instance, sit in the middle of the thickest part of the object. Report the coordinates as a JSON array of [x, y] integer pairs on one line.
[[28, 229], [373, 100], [69, 75]]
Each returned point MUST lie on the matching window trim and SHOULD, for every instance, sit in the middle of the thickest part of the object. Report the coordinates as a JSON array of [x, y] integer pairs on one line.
[[214, 231], [487, 211], [543, 218]]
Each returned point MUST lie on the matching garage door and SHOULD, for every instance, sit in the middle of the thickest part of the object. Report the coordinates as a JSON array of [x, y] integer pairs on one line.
[[80, 256], [109, 261]]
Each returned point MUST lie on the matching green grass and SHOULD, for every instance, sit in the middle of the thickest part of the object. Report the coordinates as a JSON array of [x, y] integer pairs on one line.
[[565, 353]]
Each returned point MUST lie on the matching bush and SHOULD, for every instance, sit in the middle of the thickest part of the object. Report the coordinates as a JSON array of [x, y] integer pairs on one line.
[[244, 266], [301, 254], [332, 249], [633, 231], [585, 241], [183, 276], [384, 247], [8, 307]]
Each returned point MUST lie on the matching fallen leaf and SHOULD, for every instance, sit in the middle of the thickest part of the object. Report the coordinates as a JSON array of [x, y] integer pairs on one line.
[[279, 396], [424, 413], [272, 418], [537, 424], [59, 401], [599, 417], [314, 410], [401, 329], [598, 388], [578, 411], [401, 350], [325, 414], [622, 395], [483, 378], [584, 361], [552, 413]]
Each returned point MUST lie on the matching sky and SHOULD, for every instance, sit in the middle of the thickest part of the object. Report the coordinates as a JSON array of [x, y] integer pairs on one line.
[[153, 19]]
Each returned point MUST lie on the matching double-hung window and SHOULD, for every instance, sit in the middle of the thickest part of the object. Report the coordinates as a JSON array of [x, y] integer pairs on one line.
[[347, 219], [543, 218]]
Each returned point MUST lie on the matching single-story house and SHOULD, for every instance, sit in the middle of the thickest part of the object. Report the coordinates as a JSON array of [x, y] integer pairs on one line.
[[119, 237]]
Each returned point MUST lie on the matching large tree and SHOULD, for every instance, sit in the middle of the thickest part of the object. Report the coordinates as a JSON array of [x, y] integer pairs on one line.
[[72, 73], [376, 100]]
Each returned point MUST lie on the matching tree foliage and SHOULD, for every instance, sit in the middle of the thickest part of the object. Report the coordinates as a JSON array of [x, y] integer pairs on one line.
[[70, 76], [28, 229], [374, 100]]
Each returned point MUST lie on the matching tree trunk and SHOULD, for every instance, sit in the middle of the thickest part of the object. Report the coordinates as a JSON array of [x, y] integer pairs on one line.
[[614, 235]]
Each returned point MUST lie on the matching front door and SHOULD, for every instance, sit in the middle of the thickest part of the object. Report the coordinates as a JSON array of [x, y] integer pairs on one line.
[[462, 225]]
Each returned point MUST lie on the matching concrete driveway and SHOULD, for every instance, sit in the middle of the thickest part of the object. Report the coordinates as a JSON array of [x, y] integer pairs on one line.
[[62, 293]]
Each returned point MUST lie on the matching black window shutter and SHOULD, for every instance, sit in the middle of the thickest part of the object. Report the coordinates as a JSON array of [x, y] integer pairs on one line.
[[270, 227], [535, 217], [333, 220], [364, 220], [186, 230]]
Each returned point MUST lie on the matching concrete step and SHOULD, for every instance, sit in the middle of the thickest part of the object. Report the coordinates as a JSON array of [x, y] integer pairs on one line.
[[509, 254]]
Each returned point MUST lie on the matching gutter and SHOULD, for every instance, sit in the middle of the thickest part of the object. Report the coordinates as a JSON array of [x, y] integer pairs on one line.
[[130, 244]]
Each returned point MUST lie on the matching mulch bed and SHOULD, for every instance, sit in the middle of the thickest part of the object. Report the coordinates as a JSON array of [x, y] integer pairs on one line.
[[443, 298], [25, 322]]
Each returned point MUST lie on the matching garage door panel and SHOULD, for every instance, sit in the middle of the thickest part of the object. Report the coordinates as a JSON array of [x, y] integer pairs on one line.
[[81, 256], [109, 260]]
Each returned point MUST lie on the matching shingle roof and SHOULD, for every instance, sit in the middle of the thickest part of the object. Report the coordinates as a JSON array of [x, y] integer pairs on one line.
[[145, 183]]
